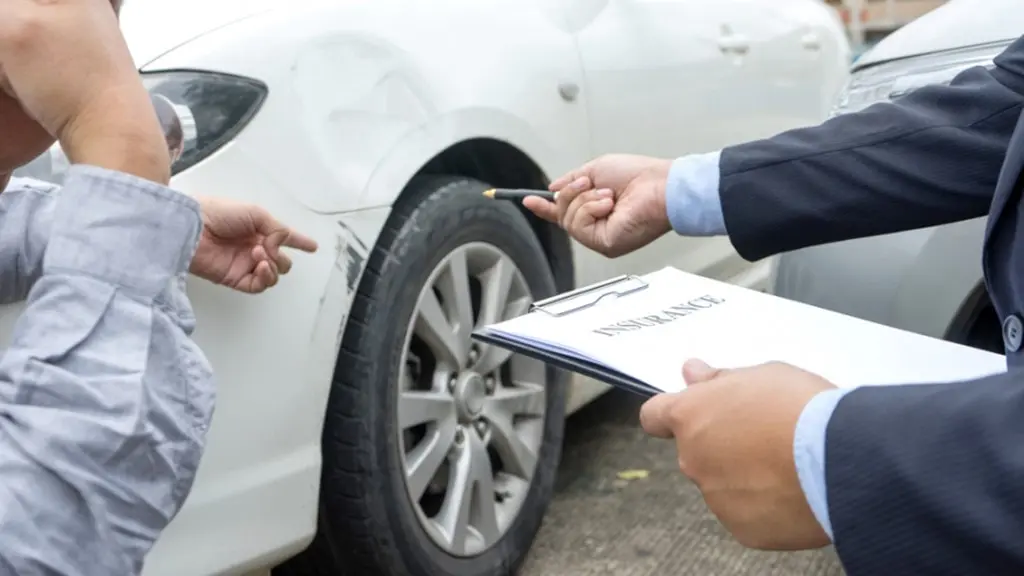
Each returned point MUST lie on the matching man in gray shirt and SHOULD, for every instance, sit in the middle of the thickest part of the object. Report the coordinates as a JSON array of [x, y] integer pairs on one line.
[[104, 398]]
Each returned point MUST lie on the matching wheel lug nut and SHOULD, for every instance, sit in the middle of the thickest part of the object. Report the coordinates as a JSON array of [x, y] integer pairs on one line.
[[459, 436], [451, 384], [481, 427], [490, 384]]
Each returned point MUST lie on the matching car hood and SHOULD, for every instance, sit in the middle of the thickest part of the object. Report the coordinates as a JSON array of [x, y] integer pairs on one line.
[[154, 27], [956, 24]]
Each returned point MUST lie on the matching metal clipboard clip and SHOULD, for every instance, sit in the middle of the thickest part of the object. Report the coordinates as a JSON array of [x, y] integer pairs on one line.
[[589, 296]]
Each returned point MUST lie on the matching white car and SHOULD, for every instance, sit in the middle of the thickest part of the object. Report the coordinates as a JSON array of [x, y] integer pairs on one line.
[[358, 431], [929, 280]]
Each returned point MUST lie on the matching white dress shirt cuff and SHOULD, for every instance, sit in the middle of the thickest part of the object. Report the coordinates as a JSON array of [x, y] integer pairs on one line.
[[691, 196], [809, 452]]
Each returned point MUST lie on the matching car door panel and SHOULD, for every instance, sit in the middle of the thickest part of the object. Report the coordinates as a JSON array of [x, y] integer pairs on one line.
[[661, 80], [783, 76], [653, 68]]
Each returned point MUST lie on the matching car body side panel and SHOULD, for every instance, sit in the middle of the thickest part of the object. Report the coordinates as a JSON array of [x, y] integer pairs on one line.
[[403, 160], [363, 94], [797, 64], [857, 277], [668, 78], [937, 282], [154, 27], [913, 280]]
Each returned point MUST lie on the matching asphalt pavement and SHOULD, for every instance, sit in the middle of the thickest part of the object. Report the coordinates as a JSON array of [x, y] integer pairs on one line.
[[622, 508]]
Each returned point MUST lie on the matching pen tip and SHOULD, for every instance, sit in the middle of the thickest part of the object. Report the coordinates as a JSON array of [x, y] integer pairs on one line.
[[489, 193]]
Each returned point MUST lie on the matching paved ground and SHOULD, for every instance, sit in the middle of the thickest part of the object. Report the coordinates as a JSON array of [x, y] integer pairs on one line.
[[602, 525]]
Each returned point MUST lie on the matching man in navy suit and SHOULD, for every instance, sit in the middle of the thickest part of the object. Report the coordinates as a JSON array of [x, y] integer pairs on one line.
[[915, 479]]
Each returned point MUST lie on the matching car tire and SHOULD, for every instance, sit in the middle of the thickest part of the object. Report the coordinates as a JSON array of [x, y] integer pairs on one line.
[[369, 521]]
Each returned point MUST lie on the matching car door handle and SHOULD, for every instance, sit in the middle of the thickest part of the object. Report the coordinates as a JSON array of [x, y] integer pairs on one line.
[[810, 41], [733, 44]]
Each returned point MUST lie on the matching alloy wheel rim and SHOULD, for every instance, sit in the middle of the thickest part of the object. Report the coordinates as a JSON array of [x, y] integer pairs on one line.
[[471, 416]]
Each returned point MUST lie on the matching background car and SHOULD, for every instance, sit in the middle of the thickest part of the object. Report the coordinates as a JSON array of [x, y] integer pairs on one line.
[[930, 280], [357, 426]]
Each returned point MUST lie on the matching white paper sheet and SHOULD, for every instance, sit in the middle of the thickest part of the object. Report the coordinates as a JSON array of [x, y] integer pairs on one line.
[[648, 334]]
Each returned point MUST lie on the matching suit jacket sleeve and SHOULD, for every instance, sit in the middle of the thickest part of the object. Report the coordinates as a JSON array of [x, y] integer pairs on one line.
[[926, 479], [928, 158]]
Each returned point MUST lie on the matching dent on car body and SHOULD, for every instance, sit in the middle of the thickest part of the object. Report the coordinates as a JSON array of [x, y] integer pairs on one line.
[[359, 116]]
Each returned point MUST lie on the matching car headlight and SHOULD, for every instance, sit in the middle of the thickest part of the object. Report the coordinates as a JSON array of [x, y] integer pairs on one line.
[[890, 80], [199, 112]]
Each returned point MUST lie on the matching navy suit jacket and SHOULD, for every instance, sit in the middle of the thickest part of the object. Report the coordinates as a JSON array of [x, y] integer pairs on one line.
[[921, 480]]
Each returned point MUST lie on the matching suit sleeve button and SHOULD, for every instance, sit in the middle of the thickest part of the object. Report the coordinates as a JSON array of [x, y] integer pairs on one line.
[[1013, 333]]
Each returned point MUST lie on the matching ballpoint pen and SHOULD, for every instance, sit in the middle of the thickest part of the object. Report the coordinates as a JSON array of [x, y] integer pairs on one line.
[[519, 194]]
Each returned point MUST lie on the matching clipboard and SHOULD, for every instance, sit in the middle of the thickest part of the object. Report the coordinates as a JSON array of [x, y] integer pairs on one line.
[[635, 333], [566, 304]]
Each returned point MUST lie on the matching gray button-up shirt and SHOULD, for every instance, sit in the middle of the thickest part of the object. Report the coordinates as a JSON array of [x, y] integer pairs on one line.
[[104, 398]]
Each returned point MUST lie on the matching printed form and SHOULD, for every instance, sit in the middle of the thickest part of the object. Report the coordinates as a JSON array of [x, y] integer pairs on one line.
[[646, 333]]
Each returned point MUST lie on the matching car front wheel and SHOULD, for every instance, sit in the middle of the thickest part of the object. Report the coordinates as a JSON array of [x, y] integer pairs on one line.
[[439, 453]]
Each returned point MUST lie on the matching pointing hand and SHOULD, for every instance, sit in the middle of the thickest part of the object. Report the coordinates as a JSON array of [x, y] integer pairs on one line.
[[240, 246]]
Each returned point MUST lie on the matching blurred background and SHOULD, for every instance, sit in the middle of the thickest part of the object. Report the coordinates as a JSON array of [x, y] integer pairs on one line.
[[868, 21]]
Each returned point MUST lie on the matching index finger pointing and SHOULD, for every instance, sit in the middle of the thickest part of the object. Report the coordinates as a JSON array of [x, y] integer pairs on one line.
[[277, 233], [287, 237], [299, 241]]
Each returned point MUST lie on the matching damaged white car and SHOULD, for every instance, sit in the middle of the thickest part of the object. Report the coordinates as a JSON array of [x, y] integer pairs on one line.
[[358, 429]]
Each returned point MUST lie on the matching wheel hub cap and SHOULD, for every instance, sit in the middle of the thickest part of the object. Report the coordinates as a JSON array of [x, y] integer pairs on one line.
[[470, 392]]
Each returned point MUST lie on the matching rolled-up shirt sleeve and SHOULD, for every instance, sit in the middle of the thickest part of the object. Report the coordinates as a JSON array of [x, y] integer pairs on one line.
[[26, 218], [104, 398]]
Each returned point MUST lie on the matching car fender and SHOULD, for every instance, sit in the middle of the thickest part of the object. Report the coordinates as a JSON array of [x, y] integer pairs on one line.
[[361, 97], [943, 276], [415, 150]]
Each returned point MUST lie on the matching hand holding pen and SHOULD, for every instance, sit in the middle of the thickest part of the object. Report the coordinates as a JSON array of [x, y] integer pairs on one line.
[[613, 205]]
